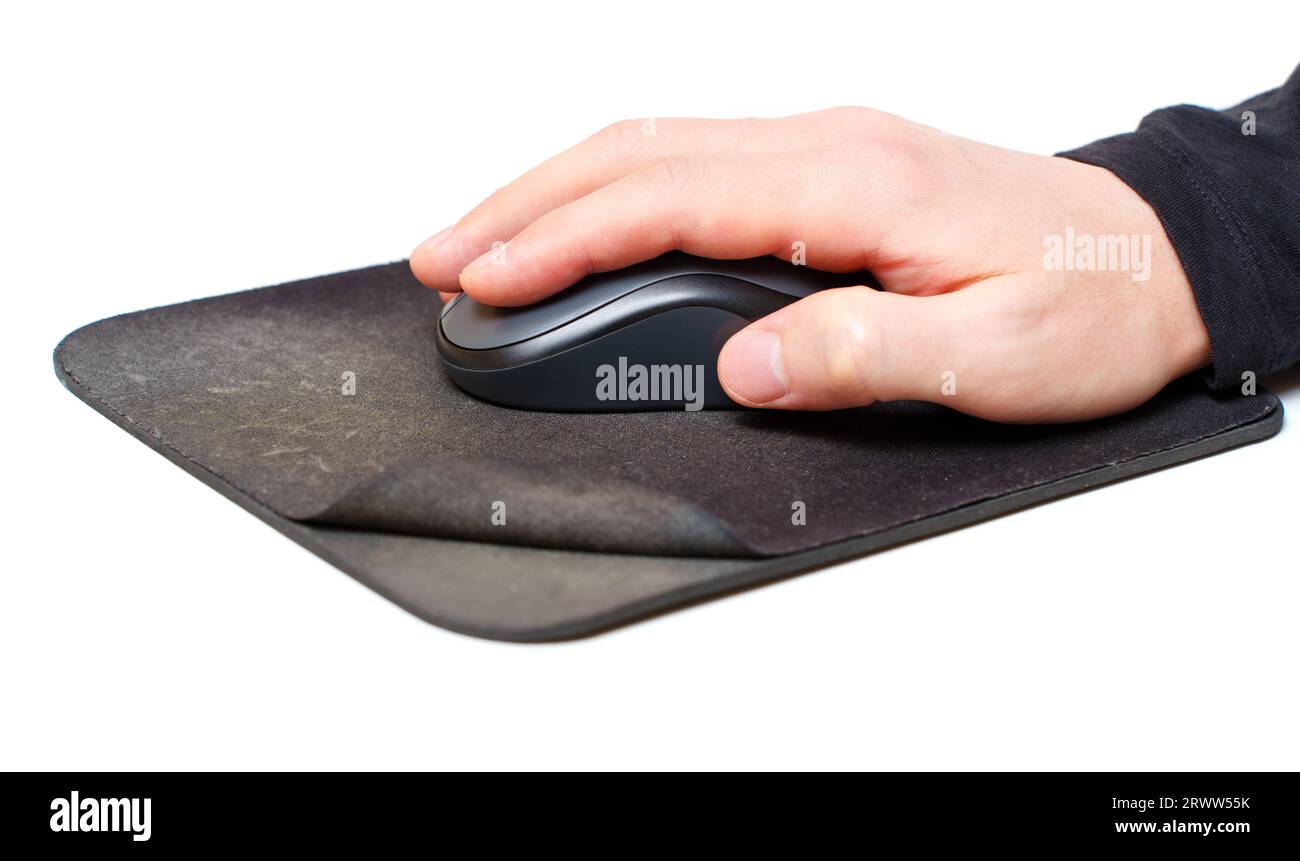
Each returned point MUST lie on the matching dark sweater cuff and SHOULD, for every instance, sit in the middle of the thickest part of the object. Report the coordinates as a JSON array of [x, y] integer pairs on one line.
[[1211, 241]]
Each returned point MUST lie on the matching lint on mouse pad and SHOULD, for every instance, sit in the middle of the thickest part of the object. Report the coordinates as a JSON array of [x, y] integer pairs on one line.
[[357, 416]]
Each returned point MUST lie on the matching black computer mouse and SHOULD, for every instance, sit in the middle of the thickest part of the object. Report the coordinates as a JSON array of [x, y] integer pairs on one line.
[[642, 338]]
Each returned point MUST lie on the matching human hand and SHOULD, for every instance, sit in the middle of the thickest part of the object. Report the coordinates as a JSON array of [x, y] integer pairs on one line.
[[973, 314]]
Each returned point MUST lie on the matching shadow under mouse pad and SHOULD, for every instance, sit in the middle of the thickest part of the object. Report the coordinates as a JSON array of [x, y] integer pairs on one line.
[[321, 406]]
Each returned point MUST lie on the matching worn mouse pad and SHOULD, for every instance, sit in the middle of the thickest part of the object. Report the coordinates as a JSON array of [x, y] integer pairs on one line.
[[322, 407]]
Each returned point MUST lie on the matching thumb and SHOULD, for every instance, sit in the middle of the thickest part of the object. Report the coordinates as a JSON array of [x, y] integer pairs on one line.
[[847, 348]]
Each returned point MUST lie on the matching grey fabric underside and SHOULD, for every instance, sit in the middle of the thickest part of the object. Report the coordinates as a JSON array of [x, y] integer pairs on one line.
[[608, 516]]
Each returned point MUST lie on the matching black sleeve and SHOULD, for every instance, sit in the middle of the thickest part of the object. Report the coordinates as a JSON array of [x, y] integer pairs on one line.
[[1226, 186]]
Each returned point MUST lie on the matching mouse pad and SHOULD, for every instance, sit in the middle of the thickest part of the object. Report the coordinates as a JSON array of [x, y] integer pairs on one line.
[[322, 407]]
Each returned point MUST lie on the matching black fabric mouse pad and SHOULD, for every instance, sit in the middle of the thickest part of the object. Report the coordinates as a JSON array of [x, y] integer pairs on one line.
[[321, 407]]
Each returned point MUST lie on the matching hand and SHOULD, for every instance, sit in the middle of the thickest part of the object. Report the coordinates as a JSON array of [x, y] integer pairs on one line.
[[976, 312]]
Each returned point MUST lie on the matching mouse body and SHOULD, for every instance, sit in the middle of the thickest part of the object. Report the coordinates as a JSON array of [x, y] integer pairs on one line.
[[642, 338]]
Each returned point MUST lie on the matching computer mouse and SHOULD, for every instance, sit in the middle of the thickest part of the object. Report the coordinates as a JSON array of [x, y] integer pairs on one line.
[[642, 338]]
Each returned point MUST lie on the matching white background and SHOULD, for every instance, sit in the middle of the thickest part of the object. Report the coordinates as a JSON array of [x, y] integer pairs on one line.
[[153, 154]]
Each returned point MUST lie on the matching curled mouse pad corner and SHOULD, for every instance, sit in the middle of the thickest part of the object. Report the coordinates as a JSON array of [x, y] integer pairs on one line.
[[502, 500], [322, 407]]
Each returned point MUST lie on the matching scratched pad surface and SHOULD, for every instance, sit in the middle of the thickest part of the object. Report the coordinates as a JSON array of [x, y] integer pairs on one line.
[[247, 391]]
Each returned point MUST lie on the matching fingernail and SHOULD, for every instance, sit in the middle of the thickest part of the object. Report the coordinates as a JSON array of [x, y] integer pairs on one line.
[[752, 368], [431, 244]]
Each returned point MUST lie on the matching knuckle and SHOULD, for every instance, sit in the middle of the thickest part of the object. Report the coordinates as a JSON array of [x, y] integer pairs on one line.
[[859, 119], [848, 113], [623, 139], [850, 345], [903, 155], [672, 175], [901, 167]]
